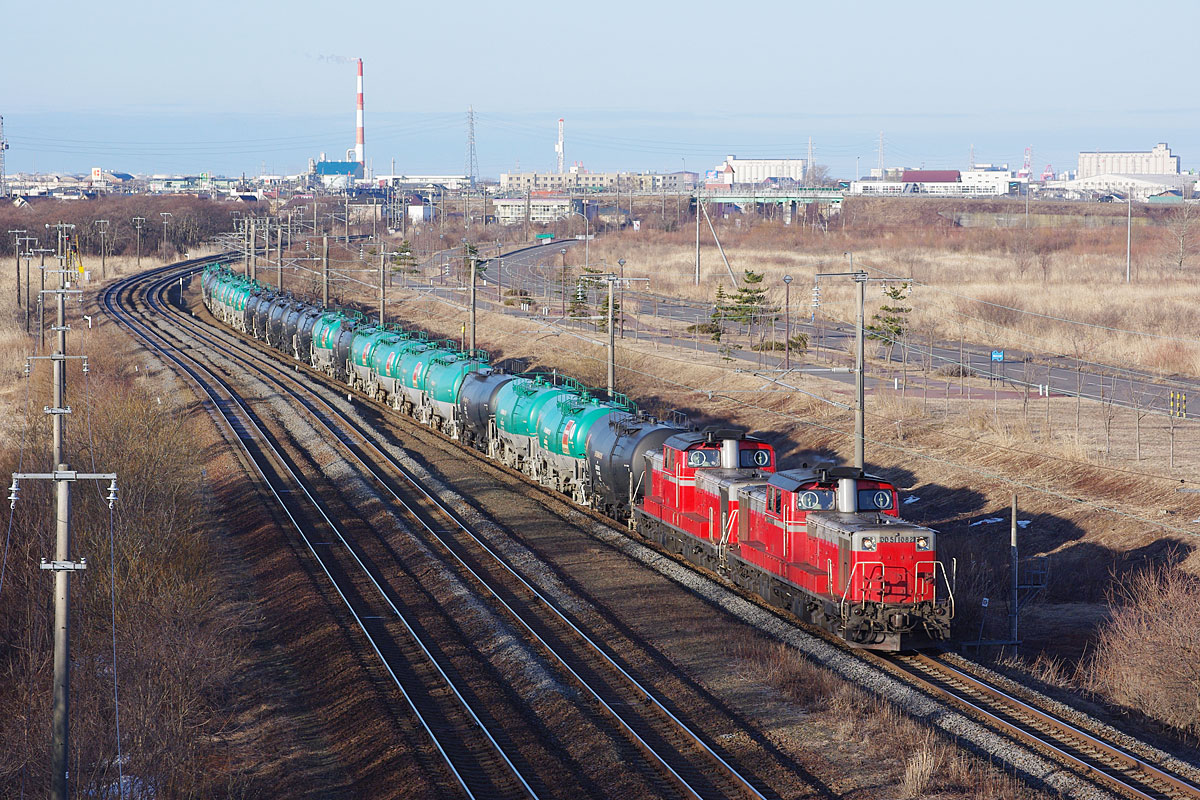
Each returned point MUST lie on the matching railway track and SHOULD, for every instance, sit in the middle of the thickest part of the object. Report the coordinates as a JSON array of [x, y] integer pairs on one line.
[[676, 760], [1093, 758], [1099, 763]]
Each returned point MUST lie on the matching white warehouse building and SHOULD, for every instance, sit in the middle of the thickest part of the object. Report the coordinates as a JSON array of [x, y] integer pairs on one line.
[[1158, 161], [757, 170]]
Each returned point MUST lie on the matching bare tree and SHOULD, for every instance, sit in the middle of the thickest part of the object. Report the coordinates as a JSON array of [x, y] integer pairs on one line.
[[1183, 235]]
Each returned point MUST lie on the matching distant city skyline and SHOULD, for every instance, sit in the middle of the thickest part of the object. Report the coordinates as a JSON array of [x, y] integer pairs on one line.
[[243, 88]]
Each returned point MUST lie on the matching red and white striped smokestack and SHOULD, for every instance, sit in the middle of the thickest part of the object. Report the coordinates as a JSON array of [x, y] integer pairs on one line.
[[358, 139]]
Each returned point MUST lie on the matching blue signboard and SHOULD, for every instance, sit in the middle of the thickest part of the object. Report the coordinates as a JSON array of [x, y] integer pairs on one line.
[[997, 355]]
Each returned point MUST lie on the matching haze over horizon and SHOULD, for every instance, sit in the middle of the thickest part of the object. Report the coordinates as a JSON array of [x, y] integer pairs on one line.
[[642, 87]]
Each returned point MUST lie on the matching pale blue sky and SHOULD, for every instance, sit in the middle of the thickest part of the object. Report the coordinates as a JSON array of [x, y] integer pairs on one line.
[[236, 87]]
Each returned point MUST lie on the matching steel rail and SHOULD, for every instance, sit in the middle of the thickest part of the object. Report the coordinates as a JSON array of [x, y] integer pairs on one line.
[[110, 299], [922, 665], [743, 783]]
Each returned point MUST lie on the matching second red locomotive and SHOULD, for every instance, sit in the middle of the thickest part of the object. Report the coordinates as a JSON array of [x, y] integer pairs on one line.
[[826, 543]]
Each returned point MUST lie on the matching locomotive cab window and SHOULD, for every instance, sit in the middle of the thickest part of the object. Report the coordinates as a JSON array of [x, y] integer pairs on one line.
[[815, 499], [874, 499], [760, 457], [704, 458]]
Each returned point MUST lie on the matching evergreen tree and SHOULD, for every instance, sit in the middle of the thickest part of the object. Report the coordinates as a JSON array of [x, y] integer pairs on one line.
[[749, 304], [720, 309], [891, 321], [404, 260]]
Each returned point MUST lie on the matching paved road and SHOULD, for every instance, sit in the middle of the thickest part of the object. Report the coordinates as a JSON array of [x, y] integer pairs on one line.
[[538, 270]]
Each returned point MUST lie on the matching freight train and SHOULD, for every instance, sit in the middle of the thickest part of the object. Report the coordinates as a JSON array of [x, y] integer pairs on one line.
[[824, 542]]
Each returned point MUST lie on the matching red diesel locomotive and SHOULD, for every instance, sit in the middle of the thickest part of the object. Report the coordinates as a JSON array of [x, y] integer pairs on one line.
[[826, 543]]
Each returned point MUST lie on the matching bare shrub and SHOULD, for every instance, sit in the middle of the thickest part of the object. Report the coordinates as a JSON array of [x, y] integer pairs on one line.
[[923, 765], [1148, 656], [178, 643]]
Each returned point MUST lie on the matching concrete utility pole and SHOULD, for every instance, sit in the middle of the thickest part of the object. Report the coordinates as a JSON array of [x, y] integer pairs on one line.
[[697, 278], [279, 251], [41, 302], [474, 262], [29, 241], [563, 281], [62, 566], [382, 289], [621, 319], [137, 223], [103, 223], [860, 278], [860, 383], [17, 254], [1128, 239], [166, 218], [252, 252], [325, 270], [787, 322], [612, 341]]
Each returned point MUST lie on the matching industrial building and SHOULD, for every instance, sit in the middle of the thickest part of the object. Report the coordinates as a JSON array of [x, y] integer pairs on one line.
[[542, 210], [1139, 187], [741, 171], [423, 181], [579, 180], [1158, 161], [940, 183]]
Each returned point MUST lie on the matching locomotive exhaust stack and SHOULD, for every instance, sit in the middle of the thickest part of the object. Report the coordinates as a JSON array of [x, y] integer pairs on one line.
[[847, 495]]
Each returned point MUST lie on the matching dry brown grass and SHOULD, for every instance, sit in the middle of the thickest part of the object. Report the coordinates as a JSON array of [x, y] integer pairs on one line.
[[971, 282], [904, 756]]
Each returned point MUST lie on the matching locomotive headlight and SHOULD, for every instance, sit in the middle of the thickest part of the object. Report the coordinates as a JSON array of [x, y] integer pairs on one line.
[[868, 543], [923, 543]]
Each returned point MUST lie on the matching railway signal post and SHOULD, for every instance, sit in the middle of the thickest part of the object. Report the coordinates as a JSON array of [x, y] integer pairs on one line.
[[62, 566]]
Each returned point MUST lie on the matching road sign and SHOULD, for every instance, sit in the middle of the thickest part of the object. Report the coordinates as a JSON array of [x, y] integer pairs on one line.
[[544, 236], [984, 603], [997, 355]]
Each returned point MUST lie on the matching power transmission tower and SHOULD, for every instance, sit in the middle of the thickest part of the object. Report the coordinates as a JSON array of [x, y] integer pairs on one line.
[[472, 160], [62, 566]]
